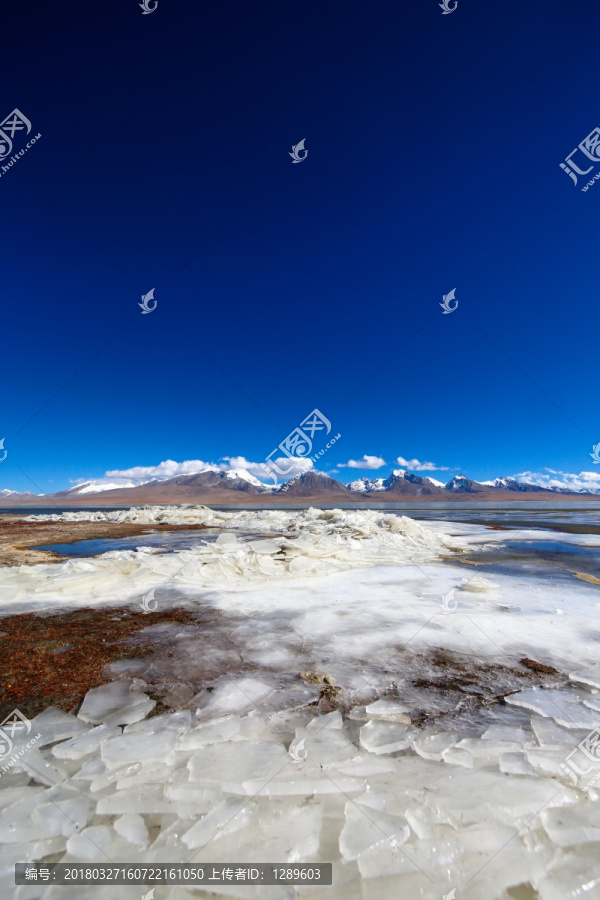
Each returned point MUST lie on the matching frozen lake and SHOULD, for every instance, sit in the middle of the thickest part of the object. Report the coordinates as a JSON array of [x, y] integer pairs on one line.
[[414, 701]]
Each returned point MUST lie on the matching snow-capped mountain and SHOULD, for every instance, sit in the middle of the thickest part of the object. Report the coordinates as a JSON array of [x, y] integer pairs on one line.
[[94, 487], [214, 484], [314, 484], [435, 482], [245, 475], [462, 484], [404, 484], [97, 487], [511, 484], [5, 493], [366, 484]]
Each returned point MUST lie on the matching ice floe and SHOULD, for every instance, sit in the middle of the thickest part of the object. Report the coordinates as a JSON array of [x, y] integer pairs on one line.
[[346, 717]]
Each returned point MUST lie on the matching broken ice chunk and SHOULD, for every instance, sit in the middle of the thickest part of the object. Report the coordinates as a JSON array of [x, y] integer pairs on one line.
[[16, 825], [511, 733], [114, 704], [370, 764], [367, 828], [230, 816], [296, 780], [67, 813], [458, 756], [470, 797], [489, 749], [136, 747], [383, 802], [322, 745], [191, 799], [86, 743], [91, 769], [589, 676], [579, 824], [226, 537], [25, 852], [147, 800], [548, 759], [179, 722], [222, 729], [388, 709], [264, 546], [91, 843], [132, 827], [234, 762], [40, 769], [283, 831], [106, 777], [572, 875], [565, 708], [235, 697], [433, 746], [333, 720], [10, 795], [548, 733], [55, 725], [386, 737], [515, 764]]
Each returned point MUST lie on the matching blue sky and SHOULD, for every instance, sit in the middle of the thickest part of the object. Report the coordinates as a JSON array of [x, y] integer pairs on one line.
[[434, 145]]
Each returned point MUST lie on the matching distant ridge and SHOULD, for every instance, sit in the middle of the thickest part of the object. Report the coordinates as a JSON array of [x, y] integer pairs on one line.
[[315, 484], [213, 486]]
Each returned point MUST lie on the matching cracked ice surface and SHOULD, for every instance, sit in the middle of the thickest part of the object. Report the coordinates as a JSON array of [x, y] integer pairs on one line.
[[422, 780]]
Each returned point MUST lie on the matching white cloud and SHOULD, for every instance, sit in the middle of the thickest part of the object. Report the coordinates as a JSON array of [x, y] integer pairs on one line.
[[584, 481], [289, 466], [367, 462], [169, 468], [418, 466]]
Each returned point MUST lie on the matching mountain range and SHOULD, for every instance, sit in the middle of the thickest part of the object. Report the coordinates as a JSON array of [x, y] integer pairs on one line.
[[238, 486]]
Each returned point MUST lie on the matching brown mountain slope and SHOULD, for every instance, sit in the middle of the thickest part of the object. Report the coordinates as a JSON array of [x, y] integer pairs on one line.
[[409, 486], [314, 484]]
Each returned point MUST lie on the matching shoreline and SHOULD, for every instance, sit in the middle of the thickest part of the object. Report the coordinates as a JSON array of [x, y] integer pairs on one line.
[[17, 537]]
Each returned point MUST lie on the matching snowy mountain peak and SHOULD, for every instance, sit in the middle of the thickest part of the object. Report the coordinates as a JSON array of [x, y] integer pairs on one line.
[[245, 475], [366, 484], [93, 487]]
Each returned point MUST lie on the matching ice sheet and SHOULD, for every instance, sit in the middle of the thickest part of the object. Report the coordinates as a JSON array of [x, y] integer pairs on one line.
[[445, 763]]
